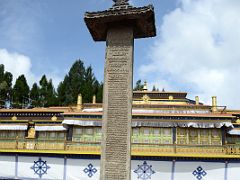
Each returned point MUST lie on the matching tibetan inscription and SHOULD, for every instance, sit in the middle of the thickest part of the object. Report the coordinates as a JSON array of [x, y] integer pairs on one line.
[[117, 105]]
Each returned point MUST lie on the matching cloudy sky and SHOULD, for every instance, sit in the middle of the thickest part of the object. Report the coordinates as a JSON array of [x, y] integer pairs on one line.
[[196, 49]]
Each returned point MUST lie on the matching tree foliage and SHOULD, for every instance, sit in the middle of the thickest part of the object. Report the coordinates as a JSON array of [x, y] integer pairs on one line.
[[34, 95], [71, 86], [21, 92], [154, 88], [5, 85], [79, 79], [47, 93], [138, 86]]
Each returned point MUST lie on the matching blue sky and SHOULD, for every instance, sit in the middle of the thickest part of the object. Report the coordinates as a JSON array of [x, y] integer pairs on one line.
[[53, 34], [195, 49]]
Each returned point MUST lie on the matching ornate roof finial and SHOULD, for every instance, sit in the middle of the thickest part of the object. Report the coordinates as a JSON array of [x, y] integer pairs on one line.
[[145, 86], [120, 2]]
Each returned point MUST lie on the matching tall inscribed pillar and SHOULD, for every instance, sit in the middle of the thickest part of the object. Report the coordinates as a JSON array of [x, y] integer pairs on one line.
[[117, 104], [118, 26]]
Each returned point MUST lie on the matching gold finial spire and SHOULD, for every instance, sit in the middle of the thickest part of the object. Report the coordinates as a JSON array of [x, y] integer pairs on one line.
[[145, 86], [79, 102], [214, 104], [94, 99], [196, 100]]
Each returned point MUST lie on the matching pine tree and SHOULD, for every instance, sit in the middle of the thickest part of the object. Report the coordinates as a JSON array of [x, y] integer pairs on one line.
[[5, 85], [51, 95], [43, 91], [72, 85], [61, 91], [99, 93], [47, 93], [154, 88], [79, 80], [34, 95], [21, 92], [89, 85], [138, 86]]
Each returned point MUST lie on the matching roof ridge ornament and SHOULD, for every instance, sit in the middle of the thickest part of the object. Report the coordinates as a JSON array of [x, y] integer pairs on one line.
[[120, 2]]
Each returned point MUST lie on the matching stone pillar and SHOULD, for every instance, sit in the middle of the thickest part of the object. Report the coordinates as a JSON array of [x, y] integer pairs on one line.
[[117, 105], [119, 26]]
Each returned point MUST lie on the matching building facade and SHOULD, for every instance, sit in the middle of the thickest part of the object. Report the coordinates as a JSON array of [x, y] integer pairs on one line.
[[173, 137]]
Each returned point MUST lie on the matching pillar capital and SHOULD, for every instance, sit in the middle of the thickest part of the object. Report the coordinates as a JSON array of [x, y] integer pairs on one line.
[[121, 2]]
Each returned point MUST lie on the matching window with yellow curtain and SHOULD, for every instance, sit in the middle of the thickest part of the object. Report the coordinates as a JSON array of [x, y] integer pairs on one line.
[[182, 135], [193, 136]]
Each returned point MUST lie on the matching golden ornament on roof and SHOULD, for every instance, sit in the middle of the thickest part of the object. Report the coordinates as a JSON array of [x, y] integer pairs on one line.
[[14, 118], [54, 118], [145, 98]]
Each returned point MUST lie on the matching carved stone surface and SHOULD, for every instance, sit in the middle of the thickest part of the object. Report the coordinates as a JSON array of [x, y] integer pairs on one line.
[[117, 105], [119, 26]]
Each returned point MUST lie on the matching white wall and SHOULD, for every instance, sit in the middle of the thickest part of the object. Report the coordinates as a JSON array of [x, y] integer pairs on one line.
[[60, 168]]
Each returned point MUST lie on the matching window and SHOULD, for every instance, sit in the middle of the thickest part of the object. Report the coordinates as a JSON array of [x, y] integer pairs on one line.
[[181, 131], [204, 132], [78, 130], [215, 133], [192, 132], [61, 135], [42, 134], [98, 131], [21, 134], [89, 131], [3, 134], [52, 134], [135, 131], [12, 134], [166, 131], [156, 131], [146, 131]]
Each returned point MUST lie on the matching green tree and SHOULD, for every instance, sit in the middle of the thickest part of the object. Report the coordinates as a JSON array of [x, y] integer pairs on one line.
[[154, 88], [76, 80], [79, 80], [43, 91], [72, 85], [51, 95], [47, 93], [21, 92], [99, 93], [34, 95], [61, 91], [5, 85], [138, 86], [90, 85]]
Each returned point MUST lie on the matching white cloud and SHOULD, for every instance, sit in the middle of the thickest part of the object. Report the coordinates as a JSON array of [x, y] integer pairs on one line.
[[19, 64], [197, 50]]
